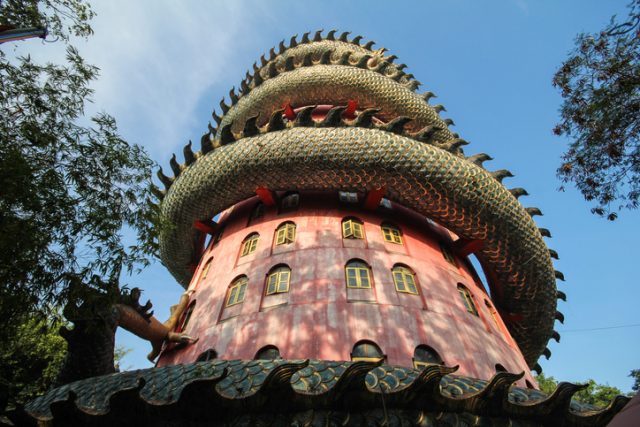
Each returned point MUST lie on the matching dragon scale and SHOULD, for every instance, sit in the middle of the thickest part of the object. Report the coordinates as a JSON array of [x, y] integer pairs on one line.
[[337, 48], [336, 84], [412, 154]]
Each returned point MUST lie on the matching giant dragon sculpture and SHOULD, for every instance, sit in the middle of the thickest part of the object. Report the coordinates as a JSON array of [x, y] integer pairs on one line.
[[326, 112], [395, 140], [95, 317]]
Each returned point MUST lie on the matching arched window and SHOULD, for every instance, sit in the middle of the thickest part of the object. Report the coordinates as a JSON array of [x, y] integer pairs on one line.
[[467, 299], [494, 314], [250, 244], [285, 233], [404, 278], [278, 280], [446, 253], [352, 228], [358, 274], [235, 294], [391, 233], [290, 201], [268, 352], [186, 316], [256, 212], [205, 270], [366, 351], [209, 354], [424, 355]]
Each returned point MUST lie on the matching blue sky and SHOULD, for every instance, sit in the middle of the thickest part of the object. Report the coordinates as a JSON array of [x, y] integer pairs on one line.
[[165, 66]]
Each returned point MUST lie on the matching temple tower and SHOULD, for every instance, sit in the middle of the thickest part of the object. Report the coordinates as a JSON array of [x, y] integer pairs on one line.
[[323, 234], [330, 215]]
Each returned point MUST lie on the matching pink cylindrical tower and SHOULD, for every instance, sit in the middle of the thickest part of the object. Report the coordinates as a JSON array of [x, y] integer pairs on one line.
[[319, 275]]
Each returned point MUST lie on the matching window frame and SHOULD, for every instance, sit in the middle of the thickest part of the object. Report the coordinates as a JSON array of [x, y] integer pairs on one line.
[[367, 358], [277, 273], [355, 227], [249, 244], [417, 364], [448, 255], [266, 348], [405, 272], [468, 300], [421, 364], [186, 317], [494, 314], [290, 201], [206, 355], [285, 234], [240, 286], [257, 212], [357, 270], [348, 197], [391, 233], [205, 270]]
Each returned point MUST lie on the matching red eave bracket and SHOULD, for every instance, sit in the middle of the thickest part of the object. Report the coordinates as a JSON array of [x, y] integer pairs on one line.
[[266, 196], [206, 226], [288, 111], [350, 111], [374, 197], [464, 247]]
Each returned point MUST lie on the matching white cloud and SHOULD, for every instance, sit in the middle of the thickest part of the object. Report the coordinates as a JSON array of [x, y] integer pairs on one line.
[[157, 59]]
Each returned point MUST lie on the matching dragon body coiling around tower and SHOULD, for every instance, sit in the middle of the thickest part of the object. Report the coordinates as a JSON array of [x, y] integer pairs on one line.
[[393, 140]]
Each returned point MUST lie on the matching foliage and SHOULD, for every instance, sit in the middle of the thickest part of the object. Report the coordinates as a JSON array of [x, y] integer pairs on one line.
[[600, 84], [546, 384], [597, 395], [61, 18], [118, 355], [70, 185], [30, 359], [635, 374]]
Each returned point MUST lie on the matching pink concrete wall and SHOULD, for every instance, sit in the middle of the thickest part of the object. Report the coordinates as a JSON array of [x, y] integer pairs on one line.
[[319, 318]]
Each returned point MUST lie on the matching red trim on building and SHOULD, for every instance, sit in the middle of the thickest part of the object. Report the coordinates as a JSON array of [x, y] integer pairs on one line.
[[465, 247], [266, 196], [350, 112], [207, 226], [373, 198], [288, 111]]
